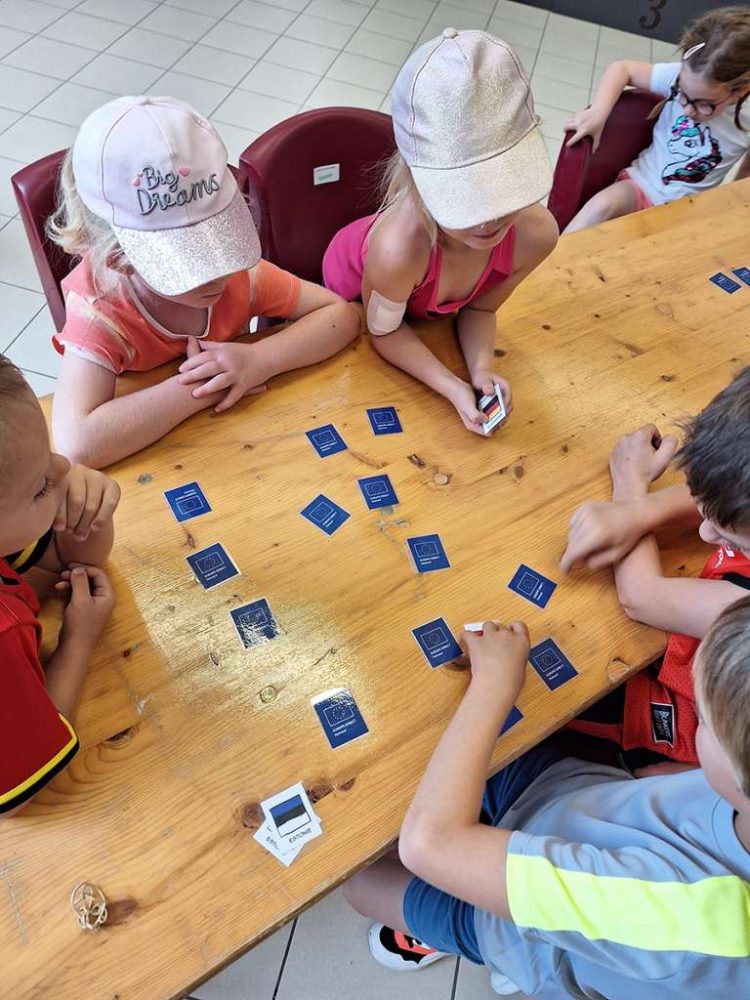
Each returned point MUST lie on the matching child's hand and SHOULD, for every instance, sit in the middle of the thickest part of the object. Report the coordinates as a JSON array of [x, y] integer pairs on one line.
[[465, 403], [638, 459], [90, 602], [90, 501], [219, 365], [601, 534], [586, 122], [485, 381], [499, 656]]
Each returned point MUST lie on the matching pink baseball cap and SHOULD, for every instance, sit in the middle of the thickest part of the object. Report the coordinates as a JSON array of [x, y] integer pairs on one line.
[[157, 172]]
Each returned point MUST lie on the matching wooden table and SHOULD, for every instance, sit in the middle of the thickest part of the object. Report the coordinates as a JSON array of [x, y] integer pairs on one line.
[[619, 327]]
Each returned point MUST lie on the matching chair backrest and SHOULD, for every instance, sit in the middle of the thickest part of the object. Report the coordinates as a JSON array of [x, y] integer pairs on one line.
[[35, 188], [580, 173], [311, 175]]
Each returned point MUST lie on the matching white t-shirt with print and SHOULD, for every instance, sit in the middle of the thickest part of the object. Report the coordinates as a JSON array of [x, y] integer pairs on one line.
[[686, 157]]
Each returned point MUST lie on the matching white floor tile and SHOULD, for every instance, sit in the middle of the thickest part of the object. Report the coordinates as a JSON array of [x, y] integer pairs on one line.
[[561, 43], [31, 138], [254, 111], [349, 68], [120, 76], [254, 975], [50, 57], [80, 29], [556, 94], [148, 47], [483, 6], [573, 27], [553, 120], [63, 4], [20, 305], [11, 39], [215, 64], [218, 8], [566, 70], [8, 206], [515, 33], [320, 32], [421, 10], [178, 23], [117, 10], [21, 90], [394, 25], [262, 15], [203, 95], [27, 15], [330, 957], [71, 103], [42, 385], [17, 265], [32, 349], [374, 46], [553, 148], [296, 54], [296, 5], [638, 45], [268, 79], [240, 38], [521, 12], [332, 93], [449, 16], [385, 107], [338, 10], [664, 51], [235, 139], [473, 983], [7, 118], [527, 57]]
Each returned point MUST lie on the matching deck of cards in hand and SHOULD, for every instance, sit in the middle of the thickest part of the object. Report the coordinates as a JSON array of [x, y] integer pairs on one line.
[[290, 822], [494, 408]]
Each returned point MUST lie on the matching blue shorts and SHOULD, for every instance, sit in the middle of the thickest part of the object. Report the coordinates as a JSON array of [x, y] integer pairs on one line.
[[447, 923]]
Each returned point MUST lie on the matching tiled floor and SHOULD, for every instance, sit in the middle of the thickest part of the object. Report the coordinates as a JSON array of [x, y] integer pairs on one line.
[[248, 65]]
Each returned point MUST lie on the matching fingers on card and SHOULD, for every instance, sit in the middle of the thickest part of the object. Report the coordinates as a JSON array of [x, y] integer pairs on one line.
[[551, 664], [290, 822], [493, 406], [255, 623], [325, 514], [326, 440], [212, 566], [378, 492], [340, 717], [187, 501], [427, 553], [437, 642], [724, 282], [532, 585], [384, 420]]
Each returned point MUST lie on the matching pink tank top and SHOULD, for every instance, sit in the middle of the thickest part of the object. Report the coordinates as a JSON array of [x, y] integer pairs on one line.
[[344, 265]]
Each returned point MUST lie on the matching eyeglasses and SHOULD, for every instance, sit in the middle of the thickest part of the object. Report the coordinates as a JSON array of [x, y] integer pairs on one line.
[[698, 104]]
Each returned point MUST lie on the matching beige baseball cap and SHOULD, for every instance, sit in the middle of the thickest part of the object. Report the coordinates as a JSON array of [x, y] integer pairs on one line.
[[464, 121]]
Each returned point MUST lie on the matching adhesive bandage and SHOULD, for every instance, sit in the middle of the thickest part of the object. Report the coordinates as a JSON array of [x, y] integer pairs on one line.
[[383, 316]]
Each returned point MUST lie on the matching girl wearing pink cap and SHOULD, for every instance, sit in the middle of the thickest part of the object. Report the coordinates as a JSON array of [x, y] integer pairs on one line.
[[460, 226], [170, 266]]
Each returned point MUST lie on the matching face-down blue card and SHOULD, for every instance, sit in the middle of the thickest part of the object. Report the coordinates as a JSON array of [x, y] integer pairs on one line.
[[551, 664], [743, 273], [326, 440], [532, 585], [428, 553], [325, 514], [437, 642], [339, 716], [515, 715], [212, 566], [255, 623], [187, 501], [378, 492], [384, 420], [724, 282]]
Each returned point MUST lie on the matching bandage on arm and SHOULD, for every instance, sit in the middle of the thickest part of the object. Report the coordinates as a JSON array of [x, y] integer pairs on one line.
[[384, 316]]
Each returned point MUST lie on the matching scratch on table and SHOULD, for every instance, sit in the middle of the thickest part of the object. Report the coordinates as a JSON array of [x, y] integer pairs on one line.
[[7, 876]]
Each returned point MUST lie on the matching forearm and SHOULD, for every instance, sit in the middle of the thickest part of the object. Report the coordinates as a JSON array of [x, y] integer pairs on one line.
[[65, 671], [616, 77], [476, 335], [635, 576], [312, 338], [671, 506], [404, 349], [93, 551], [744, 170]]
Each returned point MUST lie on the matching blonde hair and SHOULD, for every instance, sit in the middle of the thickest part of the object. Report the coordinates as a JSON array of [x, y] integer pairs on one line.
[[722, 685], [77, 231], [398, 185]]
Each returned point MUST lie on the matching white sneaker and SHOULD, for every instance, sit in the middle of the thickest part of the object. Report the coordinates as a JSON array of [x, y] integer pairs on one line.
[[503, 986], [399, 951]]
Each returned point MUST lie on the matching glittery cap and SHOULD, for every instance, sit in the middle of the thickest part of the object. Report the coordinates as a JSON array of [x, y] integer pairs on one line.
[[157, 172], [464, 121]]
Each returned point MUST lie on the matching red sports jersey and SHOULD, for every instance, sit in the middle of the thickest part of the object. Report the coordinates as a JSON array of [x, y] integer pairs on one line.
[[36, 741]]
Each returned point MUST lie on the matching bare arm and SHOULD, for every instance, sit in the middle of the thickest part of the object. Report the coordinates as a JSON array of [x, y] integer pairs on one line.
[[617, 76], [744, 170]]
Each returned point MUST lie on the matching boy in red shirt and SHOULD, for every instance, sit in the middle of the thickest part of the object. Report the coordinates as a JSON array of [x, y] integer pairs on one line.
[[658, 712], [56, 520]]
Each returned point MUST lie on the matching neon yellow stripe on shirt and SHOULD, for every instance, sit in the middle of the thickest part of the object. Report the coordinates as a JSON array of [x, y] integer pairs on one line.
[[710, 916], [46, 768]]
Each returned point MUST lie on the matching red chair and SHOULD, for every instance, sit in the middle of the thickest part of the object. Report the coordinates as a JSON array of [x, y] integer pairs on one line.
[[580, 173], [279, 170], [35, 188]]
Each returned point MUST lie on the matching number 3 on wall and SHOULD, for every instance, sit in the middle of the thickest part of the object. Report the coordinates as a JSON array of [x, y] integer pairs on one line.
[[656, 6]]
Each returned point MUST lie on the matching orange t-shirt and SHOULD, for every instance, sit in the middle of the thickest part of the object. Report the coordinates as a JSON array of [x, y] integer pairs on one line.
[[116, 332]]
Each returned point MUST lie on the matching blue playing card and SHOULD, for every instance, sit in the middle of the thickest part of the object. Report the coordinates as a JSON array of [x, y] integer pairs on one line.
[[551, 664], [325, 514], [378, 492], [437, 642], [212, 566], [384, 420], [326, 440], [532, 585], [724, 282], [255, 623], [340, 717], [743, 273], [515, 715], [187, 501], [428, 553]]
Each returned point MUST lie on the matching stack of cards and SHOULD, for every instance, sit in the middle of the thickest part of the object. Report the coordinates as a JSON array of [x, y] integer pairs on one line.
[[290, 822], [494, 407]]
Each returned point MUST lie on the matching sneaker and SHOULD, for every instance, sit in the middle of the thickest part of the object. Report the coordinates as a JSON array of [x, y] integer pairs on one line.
[[503, 986], [400, 951]]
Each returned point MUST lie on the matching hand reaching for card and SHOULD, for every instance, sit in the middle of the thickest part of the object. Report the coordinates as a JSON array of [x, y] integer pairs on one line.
[[499, 656], [218, 366]]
